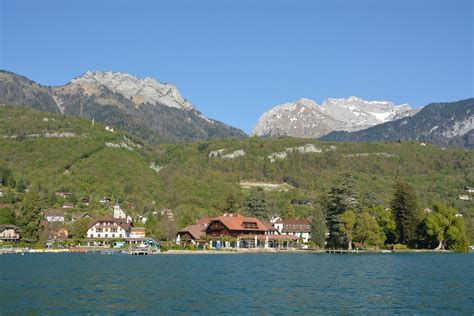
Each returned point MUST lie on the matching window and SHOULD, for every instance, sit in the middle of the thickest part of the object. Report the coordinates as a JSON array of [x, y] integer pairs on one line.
[[113, 230], [287, 226], [98, 235], [113, 235], [250, 225], [106, 235], [120, 235], [309, 226], [99, 230], [294, 226], [301, 226]]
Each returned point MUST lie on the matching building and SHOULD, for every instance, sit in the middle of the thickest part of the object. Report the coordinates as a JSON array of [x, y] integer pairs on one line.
[[58, 233], [464, 197], [108, 228], [470, 190], [120, 214], [85, 201], [2, 192], [54, 215], [80, 215], [64, 194], [295, 227], [67, 205], [9, 232], [138, 232], [105, 200], [193, 234]]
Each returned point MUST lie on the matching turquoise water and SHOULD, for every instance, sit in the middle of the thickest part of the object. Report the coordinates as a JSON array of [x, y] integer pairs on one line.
[[238, 284]]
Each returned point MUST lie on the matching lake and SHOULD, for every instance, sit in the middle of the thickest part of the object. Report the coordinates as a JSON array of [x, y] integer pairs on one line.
[[262, 283]]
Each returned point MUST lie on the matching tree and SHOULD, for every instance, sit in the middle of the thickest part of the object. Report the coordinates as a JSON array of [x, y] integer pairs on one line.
[[340, 198], [386, 222], [318, 228], [288, 211], [367, 231], [7, 216], [230, 203], [80, 227], [438, 221], [405, 210], [30, 218], [346, 225], [256, 205], [456, 236]]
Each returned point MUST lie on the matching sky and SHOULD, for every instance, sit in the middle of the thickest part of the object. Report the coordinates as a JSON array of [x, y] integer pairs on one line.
[[236, 59]]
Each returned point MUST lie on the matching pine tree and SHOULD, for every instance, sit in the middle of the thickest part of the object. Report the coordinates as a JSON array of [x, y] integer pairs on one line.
[[406, 213], [256, 205], [318, 228], [30, 218], [340, 198], [230, 203]]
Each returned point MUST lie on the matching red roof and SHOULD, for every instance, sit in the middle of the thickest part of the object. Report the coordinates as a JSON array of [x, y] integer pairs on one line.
[[236, 221]]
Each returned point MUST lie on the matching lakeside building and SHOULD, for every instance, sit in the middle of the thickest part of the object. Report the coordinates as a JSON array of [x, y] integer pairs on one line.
[[120, 214], [108, 229], [294, 227], [9, 232], [234, 231]]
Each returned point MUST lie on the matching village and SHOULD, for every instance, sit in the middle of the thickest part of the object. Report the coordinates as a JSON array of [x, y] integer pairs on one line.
[[119, 233]]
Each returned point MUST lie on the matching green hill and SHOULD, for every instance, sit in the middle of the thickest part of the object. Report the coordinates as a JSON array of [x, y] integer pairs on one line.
[[195, 179]]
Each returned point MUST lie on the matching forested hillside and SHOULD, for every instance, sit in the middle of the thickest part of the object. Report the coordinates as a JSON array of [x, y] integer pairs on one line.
[[61, 153]]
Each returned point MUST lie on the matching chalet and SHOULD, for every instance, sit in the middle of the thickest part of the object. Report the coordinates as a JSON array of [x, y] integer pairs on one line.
[[9, 232], [53, 215], [295, 227], [67, 205], [58, 233], [85, 201], [108, 228], [193, 234], [235, 225]]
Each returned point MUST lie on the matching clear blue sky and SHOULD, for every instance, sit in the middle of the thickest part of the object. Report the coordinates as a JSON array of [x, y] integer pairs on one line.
[[236, 59]]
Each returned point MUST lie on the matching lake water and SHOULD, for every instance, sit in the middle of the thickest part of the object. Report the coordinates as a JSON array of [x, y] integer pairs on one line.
[[282, 283]]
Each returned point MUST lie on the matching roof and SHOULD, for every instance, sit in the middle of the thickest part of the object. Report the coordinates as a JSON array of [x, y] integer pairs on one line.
[[204, 221], [136, 229], [269, 226], [196, 231], [10, 226], [297, 223], [53, 212], [118, 221], [236, 221]]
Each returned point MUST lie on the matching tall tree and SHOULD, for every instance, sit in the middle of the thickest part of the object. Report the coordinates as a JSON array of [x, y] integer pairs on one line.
[[256, 205], [404, 206], [456, 236], [318, 228], [7, 216], [230, 204], [30, 218], [386, 222], [340, 198], [346, 225]]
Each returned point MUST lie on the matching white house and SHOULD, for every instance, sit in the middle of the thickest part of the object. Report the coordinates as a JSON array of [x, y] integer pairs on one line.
[[464, 197], [54, 216], [2, 192], [120, 214], [108, 228], [294, 227], [470, 190]]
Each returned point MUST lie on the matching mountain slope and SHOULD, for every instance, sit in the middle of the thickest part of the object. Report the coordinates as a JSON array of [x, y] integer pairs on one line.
[[156, 112], [439, 123], [305, 118], [63, 153]]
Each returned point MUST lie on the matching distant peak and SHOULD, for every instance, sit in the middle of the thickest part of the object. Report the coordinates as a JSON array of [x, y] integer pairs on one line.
[[140, 91]]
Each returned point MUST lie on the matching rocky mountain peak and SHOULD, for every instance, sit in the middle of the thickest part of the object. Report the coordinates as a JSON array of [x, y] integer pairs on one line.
[[305, 118], [139, 91]]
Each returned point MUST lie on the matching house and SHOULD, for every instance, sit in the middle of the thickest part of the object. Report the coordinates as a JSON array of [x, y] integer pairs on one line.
[[193, 234], [53, 215], [464, 197], [58, 233], [168, 214], [142, 219], [295, 227], [108, 228], [248, 232], [80, 215], [105, 200], [9, 232], [2, 192], [67, 205], [85, 201], [64, 194], [470, 190], [120, 214], [137, 232]]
